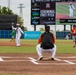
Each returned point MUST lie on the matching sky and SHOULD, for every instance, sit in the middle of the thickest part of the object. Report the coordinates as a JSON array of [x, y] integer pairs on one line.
[[14, 4]]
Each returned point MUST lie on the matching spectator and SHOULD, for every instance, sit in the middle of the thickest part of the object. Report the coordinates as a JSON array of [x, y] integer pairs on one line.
[[18, 34], [73, 31]]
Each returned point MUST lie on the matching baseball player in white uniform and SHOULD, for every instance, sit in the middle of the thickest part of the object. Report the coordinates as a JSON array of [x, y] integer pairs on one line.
[[18, 33], [71, 10]]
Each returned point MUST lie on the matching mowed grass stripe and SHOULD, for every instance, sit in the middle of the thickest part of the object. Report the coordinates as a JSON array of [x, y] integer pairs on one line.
[[64, 9]]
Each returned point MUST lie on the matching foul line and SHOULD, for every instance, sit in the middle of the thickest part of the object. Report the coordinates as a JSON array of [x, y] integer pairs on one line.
[[57, 59], [33, 60], [69, 62]]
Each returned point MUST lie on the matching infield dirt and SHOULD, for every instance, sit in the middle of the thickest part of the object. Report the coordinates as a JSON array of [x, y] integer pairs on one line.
[[20, 64]]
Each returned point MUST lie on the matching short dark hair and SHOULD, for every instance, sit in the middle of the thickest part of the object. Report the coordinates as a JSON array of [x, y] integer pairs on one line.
[[47, 28], [74, 25]]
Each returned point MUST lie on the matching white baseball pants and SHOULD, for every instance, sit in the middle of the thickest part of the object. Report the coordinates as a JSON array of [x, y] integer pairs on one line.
[[41, 50]]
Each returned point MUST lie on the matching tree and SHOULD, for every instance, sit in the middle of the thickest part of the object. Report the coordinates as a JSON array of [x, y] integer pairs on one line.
[[24, 28], [20, 21], [0, 9], [5, 10], [42, 29]]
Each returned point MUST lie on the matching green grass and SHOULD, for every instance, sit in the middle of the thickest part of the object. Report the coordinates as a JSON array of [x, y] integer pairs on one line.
[[63, 46], [63, 9], [22, 49]]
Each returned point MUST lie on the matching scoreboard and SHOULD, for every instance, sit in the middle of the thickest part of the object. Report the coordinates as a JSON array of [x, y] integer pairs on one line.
[[43, 12], [53, 12]]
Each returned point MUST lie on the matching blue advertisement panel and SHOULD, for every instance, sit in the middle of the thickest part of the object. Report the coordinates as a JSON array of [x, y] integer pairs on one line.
[[31, 34]]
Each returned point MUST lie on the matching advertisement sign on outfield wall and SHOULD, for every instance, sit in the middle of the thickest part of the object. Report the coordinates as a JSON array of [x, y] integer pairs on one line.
[[31, 34]]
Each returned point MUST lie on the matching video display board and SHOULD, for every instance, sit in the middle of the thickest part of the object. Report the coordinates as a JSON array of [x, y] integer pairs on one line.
[[53, 12], [43, 12], [66, 12]]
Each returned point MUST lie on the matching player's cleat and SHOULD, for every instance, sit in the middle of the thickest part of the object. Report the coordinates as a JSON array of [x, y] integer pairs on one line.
[[52, 59], [18, 46], [40, 58]]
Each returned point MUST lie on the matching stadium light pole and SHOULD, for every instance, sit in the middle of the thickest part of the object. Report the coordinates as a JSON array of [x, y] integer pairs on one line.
[[21, 12], [9, 4]]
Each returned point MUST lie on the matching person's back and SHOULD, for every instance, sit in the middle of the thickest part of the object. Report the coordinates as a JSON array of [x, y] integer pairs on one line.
[[47, 40], [73, 31]]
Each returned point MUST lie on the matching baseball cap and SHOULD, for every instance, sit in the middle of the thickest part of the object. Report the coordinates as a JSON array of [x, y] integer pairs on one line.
[[18, 24], [47, 28]]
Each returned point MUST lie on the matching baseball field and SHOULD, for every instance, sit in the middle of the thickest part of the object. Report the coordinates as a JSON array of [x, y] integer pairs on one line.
[[23, 60]]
